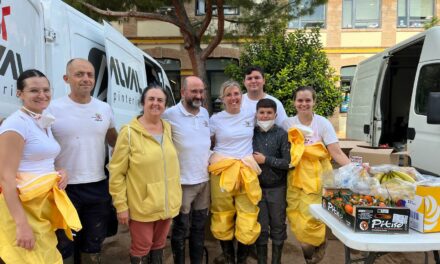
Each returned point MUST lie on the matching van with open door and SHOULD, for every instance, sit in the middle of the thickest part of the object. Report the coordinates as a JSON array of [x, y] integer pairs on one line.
[[46, 34], [395, 100]]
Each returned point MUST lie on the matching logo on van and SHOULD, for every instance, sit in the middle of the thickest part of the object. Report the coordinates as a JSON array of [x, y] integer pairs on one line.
[[6, 11], [124, 76]]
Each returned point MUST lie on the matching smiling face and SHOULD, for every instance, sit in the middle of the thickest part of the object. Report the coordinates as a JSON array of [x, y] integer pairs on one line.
[[304, 102], [232, 99], [36, 94], [154, 102], [193, 93], [80, 76], [254, 82]]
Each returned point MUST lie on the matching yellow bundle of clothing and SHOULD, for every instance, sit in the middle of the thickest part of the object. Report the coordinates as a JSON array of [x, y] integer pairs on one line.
[[47, 208], [304, 187]]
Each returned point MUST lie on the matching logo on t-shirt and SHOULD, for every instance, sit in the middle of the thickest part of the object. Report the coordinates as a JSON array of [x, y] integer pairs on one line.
[[205, 123], [97, 117], [248, 124]]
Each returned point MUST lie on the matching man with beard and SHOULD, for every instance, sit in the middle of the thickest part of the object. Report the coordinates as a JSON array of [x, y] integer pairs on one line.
[[191, 136]]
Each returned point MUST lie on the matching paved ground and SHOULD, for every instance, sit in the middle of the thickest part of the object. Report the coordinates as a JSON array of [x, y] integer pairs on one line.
[[116, 252]]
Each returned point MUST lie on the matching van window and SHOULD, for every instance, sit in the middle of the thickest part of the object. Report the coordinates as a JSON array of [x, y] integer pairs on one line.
[[429, 81]]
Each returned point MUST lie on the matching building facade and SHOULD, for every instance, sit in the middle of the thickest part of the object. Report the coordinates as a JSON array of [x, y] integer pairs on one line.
[[351, 31]]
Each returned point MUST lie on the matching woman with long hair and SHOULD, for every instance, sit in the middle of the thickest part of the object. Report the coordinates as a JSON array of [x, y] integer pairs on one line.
[[313, 144]]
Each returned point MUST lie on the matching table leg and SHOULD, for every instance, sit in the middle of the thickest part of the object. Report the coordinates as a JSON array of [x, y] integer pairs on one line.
[[436, 257], [369, 259]]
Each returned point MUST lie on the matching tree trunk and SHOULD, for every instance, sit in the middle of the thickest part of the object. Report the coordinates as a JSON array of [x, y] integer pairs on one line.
[[199, 69]]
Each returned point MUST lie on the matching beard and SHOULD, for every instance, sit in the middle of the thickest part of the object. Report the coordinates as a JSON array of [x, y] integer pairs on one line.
[[195, 103]]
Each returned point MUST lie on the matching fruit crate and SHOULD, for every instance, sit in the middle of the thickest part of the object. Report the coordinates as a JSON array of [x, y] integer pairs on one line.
[[365, 218]]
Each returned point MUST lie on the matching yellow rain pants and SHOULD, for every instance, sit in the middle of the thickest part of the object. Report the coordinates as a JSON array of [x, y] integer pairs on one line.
[[235, 193], [47, 208], [304, 187]]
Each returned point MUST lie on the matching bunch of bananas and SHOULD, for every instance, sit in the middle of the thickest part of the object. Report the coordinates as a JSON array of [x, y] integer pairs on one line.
[[392, 174]]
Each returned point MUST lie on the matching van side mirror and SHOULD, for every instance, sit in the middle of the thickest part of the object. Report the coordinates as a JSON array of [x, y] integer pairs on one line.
[[433, 108]]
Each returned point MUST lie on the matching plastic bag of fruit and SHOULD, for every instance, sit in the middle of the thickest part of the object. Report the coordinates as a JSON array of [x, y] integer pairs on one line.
[[387, 172]]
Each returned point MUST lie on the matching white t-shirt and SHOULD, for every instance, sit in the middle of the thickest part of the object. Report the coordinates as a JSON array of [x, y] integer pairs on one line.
[[191, 137], [251, 105], [323, 130], [81, 129], [40, 147], [233, 133]]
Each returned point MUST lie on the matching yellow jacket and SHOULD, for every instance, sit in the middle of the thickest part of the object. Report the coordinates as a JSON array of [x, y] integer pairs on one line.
[[145, 176], [236, 174], [309, 162]]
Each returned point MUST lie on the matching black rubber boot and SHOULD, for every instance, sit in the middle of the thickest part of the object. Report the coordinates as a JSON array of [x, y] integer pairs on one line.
[[139, 260], [156, 256], [242, 253], [277, 251], [228, 251], [197, 235], [178, 235], [262, 254]]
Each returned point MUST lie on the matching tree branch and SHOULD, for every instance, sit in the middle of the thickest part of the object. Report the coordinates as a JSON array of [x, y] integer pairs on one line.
[[206, 20], [132, 13], [220, 31]]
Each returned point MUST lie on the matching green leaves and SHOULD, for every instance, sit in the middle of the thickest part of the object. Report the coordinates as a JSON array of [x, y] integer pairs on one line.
[[291, 60]]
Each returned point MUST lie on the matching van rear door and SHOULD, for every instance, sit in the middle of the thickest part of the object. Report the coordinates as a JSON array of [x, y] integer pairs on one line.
[[126, 78], [21, 47], [360, 122]]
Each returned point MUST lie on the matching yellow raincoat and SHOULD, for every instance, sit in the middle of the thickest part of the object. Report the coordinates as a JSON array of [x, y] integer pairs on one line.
[[304, 187], [47, 208], [235, 189]]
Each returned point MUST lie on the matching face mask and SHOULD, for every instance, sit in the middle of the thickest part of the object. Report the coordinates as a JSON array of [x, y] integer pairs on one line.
[[265, 125], [43, 120]]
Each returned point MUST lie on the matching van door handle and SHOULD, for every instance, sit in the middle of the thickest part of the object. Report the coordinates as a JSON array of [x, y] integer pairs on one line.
[[366, 129], [411, 133]]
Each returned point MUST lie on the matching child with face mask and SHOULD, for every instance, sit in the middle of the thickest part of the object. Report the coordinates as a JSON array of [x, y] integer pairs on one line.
[[272, 153]]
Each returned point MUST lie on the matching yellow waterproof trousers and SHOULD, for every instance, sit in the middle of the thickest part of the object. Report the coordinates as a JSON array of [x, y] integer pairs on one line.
[[47, 208], [234, 212], [304, 187]]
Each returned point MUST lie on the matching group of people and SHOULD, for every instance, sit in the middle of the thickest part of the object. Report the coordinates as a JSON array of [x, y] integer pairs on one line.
[[249, 165]]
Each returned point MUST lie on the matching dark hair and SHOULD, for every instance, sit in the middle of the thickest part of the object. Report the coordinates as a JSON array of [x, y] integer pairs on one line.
[[250, 69], [149, 87], [26, 75], [267, 103], [305, 88]]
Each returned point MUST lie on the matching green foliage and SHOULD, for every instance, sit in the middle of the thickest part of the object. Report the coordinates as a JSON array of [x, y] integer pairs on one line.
[[431, 23], [290, 61]]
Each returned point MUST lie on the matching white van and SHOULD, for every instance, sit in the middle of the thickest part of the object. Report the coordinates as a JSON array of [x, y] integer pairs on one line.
[[46, 34], [395, 99]]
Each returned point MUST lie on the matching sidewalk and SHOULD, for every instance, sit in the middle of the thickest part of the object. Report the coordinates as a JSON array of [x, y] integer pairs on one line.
[[116, 248]]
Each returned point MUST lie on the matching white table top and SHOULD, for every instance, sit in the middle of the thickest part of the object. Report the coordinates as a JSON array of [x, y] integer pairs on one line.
[[383, 242]]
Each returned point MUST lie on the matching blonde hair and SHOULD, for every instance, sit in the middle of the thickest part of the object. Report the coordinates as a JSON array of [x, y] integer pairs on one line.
[[226, 85]]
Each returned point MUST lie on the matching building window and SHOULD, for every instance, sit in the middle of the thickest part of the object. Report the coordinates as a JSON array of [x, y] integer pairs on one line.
[[414, 13], [227, 9], [361, 14], [316, 19]]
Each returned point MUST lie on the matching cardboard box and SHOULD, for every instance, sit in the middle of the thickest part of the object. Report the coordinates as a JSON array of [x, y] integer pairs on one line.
[[370, 219], [425, 209], [378, 156]]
